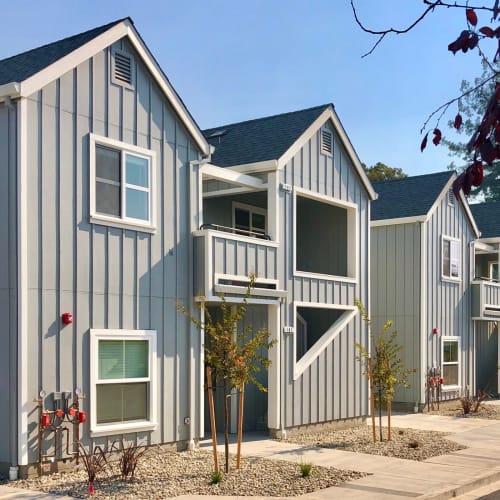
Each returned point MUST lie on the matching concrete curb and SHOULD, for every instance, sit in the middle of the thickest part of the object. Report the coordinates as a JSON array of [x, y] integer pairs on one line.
[[462, 489]]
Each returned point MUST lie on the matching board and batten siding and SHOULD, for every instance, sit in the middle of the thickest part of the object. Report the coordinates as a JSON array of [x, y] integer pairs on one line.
[[395, 293], [332, 387], [8, 287], [107, 277], [449, 302]]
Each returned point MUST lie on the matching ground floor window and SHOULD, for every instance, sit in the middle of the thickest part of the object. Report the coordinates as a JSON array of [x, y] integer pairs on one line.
[[123, 366], [451, 361]]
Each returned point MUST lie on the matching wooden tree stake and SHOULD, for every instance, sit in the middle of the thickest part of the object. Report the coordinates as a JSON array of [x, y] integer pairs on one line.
[[240, 425], [372, 398], [212, 417]]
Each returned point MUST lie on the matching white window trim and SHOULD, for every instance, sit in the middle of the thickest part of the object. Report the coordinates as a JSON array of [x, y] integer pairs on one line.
[[451, 338], [251, 209], [443, 276], [352, 236], [122, 222], [118, 428], [325, 340]]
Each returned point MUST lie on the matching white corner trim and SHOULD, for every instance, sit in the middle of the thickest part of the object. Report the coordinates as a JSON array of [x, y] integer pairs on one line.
[[22, 280], [423, 310], [322, 343]]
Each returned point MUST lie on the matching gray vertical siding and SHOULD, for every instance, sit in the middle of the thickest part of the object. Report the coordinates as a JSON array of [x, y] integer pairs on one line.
[[107, 277], [8, 287], [395, 292], [449, 302], [333, 386]]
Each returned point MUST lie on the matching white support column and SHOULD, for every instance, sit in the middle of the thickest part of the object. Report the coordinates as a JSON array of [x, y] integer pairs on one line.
[[273, 205], [274, 382]]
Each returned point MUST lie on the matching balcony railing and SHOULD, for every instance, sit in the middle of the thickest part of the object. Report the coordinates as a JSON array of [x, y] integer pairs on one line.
[[225, 259], [486, 299]]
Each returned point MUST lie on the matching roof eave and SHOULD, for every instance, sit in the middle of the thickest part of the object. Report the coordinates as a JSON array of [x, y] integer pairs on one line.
[[329, 113], [89, 49], [11, 89]]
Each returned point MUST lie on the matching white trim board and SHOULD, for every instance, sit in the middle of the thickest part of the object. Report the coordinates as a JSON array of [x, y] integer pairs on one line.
[[96, 45]]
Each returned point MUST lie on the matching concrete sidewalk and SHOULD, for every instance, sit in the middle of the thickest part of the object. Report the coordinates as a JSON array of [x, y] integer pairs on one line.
[[440, 477]]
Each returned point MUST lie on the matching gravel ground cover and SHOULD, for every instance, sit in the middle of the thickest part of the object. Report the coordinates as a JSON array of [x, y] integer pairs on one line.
[[410, 444], [166, 474], [454, 409]]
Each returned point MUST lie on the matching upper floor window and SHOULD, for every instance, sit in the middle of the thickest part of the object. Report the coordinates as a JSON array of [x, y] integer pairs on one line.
[[249, 219], [493, 271], [121, 184], [452, 259]]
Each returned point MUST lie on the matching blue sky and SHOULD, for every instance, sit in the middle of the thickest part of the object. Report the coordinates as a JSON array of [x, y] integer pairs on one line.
[[236, 60]]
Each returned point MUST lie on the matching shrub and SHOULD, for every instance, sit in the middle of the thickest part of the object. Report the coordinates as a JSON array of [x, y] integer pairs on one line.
[[95, 462], [306, 469], [130, 456], [216, 477]]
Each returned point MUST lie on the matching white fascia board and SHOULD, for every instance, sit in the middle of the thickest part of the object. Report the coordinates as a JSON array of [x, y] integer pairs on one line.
[[442, 194], [493, 240], [468, 211], [96, 45], [399, 220], [329, 114], [11, 89], [259, 166], [209, 171]]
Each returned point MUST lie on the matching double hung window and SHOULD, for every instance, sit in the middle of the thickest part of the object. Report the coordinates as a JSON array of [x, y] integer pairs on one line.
[[122, 183], [451, 361]]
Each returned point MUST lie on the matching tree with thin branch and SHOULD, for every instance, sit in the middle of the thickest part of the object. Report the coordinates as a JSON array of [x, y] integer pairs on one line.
[[383, 367], [233, 355]]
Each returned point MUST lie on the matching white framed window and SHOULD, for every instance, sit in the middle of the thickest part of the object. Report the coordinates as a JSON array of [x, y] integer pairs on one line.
[[122, 381], [249, 219], [450, 364], [493, 270], [122, 184], [451, 258]]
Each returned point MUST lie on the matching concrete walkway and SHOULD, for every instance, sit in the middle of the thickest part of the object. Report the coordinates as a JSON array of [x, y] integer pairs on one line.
[[440, 477]]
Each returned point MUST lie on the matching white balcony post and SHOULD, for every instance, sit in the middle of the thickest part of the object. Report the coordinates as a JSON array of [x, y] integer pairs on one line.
[[273, 205]]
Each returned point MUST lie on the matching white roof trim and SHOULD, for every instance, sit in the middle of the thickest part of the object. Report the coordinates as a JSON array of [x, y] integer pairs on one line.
[[399, 220], [329, 114], [227, 175], [465, 204], [259, 166], [97, 44]]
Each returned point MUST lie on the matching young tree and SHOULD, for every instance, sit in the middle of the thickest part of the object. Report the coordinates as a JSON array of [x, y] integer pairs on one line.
[[384, 365], [382, 172], [484, 141], [234, 355]]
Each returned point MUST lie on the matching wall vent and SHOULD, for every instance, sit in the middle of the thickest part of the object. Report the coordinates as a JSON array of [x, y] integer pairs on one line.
[[451, 198], [123, 68], [326, 141]]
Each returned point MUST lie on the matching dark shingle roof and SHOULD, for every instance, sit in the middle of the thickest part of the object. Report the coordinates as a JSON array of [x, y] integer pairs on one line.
[[487, 217], [22, 66], [261, 139], [408, 197]]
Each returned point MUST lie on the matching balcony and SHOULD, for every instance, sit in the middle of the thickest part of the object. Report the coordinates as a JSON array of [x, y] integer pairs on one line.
[[224, 259], [486, 300]]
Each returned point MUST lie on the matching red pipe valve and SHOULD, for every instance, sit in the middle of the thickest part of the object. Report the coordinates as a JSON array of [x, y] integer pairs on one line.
[[45, 420], [82, 417]]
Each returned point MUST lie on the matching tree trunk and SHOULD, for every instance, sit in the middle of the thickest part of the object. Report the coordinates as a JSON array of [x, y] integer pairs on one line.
[[372, 398], [380, 413], [240, 424], [211, 409], [226, 428], [388, 418]]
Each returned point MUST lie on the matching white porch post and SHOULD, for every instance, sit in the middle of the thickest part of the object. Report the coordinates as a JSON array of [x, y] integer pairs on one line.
[[274, 392]]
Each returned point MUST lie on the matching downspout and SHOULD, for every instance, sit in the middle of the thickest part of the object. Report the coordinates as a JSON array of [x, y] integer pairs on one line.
[[195, 220]]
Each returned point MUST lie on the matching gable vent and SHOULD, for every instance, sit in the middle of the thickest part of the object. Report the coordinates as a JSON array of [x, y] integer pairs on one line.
[[326, 141], [122, 68], [451, 198]]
